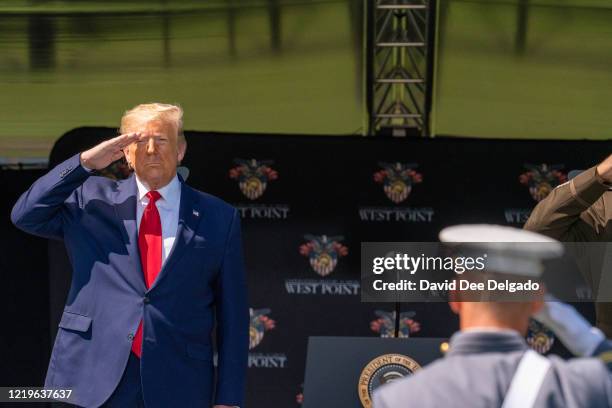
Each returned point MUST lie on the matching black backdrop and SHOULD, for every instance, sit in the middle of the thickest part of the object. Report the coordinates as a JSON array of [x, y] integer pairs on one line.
[[342, 188]]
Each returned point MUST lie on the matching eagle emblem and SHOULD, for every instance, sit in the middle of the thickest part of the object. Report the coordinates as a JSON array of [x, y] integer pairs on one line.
[[542, 178], [323, 252], [260, 323], [384, 324], [539, 337], [397, 179], [253, 176]]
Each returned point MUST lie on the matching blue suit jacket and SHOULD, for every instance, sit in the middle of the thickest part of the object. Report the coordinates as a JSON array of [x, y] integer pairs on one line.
[[202, 281]]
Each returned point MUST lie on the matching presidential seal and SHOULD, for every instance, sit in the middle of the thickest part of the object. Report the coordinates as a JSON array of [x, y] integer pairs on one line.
[[382, 370]]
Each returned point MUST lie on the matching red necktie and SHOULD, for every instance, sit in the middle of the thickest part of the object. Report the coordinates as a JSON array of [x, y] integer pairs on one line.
[[150, 245]]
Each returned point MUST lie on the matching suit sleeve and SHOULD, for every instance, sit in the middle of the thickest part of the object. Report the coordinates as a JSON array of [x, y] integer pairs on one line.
[[232, 315], [573, 211], [50, 202]]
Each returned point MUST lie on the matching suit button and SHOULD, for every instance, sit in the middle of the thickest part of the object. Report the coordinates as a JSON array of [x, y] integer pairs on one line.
[[146, 299], [130, 337]]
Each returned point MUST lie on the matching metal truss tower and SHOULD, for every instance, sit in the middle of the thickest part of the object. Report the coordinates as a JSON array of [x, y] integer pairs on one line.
[[400, 37]]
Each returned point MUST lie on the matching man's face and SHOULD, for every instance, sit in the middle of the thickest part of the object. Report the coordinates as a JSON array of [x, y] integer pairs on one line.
[[156, 154]]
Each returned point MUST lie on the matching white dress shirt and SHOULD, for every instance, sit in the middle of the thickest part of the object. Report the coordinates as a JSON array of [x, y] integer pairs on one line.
[[168, 206]]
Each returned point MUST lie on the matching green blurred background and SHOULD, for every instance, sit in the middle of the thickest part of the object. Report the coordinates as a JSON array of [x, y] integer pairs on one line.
[[505, 68], [524, 69]]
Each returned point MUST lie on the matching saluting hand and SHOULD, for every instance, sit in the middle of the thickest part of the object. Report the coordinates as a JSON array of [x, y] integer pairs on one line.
[[605, 169], [103, 154]]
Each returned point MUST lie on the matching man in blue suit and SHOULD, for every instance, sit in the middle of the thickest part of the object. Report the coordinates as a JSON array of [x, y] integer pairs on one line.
[[156, 266]]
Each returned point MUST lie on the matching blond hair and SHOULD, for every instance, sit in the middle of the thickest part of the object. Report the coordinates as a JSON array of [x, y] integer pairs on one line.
[[149, 112]]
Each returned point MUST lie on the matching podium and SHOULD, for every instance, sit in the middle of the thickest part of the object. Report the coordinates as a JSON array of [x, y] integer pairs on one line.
[[344, 371]]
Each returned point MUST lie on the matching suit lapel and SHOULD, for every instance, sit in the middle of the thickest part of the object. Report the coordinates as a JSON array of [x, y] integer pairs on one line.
[[124, 201], [189, 218]]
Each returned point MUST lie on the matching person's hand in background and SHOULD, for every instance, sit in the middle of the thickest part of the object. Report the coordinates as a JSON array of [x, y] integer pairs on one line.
[[574, 331], [604, 170]]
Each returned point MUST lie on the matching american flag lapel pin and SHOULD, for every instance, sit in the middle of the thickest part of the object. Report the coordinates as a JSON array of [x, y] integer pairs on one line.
[[196, 213]]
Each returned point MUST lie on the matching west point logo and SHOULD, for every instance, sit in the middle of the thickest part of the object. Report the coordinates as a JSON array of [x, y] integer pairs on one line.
[[384, 324], [396, 214], [266, 212], [269, 360], [323, 252], [259, 324], [253, 177], [322, 287], [542, 178], [517, 215], [539, 337], [397, 179]]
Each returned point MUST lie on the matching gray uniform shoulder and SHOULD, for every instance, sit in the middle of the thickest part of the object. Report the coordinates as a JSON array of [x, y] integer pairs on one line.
[[449, 382], [579, 382], [590, 371], [581, 365], [483, 380]]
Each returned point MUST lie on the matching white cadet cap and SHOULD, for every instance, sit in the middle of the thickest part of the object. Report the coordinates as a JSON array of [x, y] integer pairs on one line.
[[508, 250]]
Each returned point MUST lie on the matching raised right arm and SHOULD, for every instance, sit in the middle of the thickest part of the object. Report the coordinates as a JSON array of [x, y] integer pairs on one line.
[[41, 209], [52, 199], [573, 211]]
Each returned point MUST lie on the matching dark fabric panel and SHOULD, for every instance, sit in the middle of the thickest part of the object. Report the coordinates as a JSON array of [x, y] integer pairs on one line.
[[305, 191], [24, 296]]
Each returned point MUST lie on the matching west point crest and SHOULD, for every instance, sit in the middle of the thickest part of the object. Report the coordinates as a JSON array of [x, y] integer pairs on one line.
[[542, 178], [323, 252], [259, 324], [384, 324], [539, 337], [253, 176], [397, 179]]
